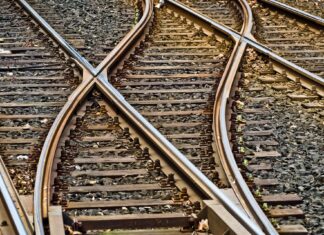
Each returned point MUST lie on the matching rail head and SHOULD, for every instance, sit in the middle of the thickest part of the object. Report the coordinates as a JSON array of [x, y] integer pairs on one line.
[[305, 15], [174, 155], [220, 126], [9, 196]]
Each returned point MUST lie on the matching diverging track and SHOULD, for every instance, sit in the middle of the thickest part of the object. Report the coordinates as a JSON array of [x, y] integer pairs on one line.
[[104, 166], [78, 22], [172, 79], [49, 160], [36, 81]]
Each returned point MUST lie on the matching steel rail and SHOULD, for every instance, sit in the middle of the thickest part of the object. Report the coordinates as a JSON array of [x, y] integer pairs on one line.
[[180, 160], [250, 41], [41, 193], [295, 11], [247, 18], [220, 122], [238, 183], [57, 37], [45, 163], [15, 210], [221, 105], [224, 151], [102, 82], [125, 45], [174, 155], [42, 182]]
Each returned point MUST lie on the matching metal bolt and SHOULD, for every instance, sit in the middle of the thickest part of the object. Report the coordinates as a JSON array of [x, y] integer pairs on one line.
[[136, 142], [116, 121], [126, 132], [171, 180]]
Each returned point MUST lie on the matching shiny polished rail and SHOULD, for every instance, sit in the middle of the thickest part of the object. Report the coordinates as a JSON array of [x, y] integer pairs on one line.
[[248, 38], [12, 206], [307, 16], [221, 103], [101, 81], [221, 134]]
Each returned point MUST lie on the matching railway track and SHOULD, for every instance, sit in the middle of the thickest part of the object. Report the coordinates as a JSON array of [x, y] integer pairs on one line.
[[107, 177], [103, 166], [312, 7], [13, 217], [78, 23], [226, 12], [57, 160], [273, 162], [291, 37], [147, 186], [36, 81], [172, 80]]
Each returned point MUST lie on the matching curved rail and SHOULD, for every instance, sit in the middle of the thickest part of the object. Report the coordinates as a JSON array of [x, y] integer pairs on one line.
[[14, 207], [225, 152], [220, 128], [249, 39], [228, 160], [295, 11], [44, 166], [102, 82], [128, 41], [41, 196], [248, 18], [220, 116], [180, 160], [165, 146]]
